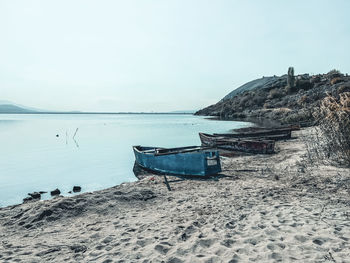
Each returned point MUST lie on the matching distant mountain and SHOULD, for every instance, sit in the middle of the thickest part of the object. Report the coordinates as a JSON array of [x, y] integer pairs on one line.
[[10, 108]]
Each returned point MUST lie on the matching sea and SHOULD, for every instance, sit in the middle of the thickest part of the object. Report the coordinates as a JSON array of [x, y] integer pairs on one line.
[[42, 152]]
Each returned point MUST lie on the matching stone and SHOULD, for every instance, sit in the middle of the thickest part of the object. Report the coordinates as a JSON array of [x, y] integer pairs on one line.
[[55, 192], [76, 189], [27, 199], [35, 195]]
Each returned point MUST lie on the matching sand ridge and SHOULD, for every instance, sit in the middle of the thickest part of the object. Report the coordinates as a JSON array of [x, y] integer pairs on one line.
[[265, 208]]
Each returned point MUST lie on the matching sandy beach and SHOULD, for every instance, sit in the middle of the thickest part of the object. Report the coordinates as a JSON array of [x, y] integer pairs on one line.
[[263, 208]]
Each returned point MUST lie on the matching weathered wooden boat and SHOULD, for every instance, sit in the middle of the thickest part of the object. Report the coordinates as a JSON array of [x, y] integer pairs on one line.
[[274, 137], [192, 160], [283, 134], [295, 127], [237, 144]]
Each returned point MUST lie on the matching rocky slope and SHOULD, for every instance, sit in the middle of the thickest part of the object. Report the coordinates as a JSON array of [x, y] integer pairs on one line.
[[269, 98]]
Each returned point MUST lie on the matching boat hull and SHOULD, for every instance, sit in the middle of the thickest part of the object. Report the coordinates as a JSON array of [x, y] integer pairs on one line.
[[178, 161], [278, 134], [246, 145]]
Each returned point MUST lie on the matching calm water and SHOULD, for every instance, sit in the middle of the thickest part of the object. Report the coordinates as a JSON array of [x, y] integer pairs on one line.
[[32, 158]]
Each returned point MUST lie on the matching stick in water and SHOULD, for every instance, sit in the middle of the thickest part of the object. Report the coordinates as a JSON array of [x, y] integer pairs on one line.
[[75, 132]]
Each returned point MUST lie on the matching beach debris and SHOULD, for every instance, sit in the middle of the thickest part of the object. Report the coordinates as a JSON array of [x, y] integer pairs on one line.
[[42, 192], [55, 192], [76, 189], [35, 195], [57, 135]]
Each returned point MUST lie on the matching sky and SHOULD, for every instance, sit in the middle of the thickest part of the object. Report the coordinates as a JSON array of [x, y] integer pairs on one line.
[[160, 55]]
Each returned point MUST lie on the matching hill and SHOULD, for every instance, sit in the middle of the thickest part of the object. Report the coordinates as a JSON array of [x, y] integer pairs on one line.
[[269, 98], [10, 108], [262, 83]]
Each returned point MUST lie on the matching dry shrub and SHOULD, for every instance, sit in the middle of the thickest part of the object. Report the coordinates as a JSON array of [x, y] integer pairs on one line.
[[300, 116], [303, 99], [283, 110], [275, 93], [332, 139], [334, 73], [267, 105], [304, 84], [344, 88], [336, 80]]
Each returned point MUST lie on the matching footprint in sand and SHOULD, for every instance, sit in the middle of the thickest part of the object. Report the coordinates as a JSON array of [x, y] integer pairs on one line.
[[276, 256], [301, 238], [144, 242], [251, 241], [174, 260], [162, 249], [228, 242], [319, 241], [206, 243], [276, 246], [108, 239], [231, 224]]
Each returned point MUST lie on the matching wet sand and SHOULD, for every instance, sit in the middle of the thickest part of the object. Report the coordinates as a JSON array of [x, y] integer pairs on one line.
[[264, 208]]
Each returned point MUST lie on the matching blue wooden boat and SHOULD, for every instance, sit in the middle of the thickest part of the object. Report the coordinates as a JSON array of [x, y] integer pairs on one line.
[[192, 160]]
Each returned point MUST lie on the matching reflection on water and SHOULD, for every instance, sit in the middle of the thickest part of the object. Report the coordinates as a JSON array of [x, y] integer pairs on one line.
[[45, 152], [5, 124]]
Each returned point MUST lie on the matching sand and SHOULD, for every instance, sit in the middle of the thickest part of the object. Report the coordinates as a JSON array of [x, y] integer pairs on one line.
[[265, 208]]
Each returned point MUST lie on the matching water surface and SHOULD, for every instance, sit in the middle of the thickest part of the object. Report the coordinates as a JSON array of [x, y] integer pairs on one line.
[[33, 158]]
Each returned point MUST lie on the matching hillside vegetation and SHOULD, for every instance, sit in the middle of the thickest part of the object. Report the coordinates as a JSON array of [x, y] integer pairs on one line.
[[286, 99]]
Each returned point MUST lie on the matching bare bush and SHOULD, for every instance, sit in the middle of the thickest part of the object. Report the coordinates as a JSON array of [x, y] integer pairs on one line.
[[334, 73], [275, 93], [344, 88], [331, 139], [336, 80]]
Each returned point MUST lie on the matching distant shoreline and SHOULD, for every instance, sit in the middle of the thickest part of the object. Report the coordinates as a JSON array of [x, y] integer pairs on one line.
[[106, 113]]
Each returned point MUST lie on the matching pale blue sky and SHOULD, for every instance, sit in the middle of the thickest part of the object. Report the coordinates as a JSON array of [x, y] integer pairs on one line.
[[158, 55]]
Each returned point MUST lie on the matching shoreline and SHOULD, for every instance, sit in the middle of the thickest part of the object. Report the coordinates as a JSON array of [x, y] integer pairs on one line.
[[65, 190], [264, 208]]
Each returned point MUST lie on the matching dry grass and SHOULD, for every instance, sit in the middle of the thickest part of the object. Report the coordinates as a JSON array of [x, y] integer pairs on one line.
[[331, 139], [336, 80]]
